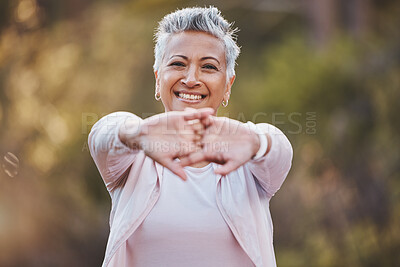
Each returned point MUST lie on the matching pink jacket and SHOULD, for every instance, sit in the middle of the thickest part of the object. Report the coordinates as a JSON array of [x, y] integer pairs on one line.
[[133, 181]]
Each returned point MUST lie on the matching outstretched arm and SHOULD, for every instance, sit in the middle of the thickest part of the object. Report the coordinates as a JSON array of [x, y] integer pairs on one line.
[[111, 156], [272, 169], [167, 136], [115, 140], [232, 144]]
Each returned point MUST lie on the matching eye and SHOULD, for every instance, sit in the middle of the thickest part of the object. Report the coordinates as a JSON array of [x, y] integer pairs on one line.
[[210, 67], [177, 63]]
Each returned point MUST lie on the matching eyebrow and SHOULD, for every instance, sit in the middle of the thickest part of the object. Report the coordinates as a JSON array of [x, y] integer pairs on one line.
[[202, 59]]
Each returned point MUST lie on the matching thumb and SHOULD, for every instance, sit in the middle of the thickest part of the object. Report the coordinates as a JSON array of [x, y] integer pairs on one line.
[[226, 168]]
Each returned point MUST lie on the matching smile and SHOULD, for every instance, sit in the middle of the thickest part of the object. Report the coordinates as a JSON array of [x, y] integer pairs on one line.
[[190, 97]]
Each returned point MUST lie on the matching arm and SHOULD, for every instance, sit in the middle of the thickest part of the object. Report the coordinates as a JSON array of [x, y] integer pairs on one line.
[[272, 169], [112, 157], [232, 144], [115, 140]]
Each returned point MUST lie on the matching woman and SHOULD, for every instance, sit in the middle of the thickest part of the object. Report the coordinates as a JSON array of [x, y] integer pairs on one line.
[[217, 214]]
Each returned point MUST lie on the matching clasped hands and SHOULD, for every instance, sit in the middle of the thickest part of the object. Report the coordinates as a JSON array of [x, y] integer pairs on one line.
[[192, 136]]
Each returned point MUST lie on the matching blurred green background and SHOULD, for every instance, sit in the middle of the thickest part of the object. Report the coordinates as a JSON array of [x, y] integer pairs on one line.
[[327, 72]]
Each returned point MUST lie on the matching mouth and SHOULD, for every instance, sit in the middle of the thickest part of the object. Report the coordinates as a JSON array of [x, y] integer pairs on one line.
[[190, 97]]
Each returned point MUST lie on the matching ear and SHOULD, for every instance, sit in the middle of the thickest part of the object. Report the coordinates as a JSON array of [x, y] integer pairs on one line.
[[157, 80], [228, 88]]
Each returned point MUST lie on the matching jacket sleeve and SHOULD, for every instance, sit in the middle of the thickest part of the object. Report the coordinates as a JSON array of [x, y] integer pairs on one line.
[[112, 158], [272, 169]]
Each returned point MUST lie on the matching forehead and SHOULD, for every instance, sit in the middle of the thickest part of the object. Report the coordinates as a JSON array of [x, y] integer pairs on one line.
[[195, 45]]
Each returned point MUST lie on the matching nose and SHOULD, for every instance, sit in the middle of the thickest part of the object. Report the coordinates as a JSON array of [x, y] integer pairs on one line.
[[191, 78]]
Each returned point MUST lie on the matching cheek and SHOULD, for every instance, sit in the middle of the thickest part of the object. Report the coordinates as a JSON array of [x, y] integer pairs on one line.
[[167, 81], [219, 87]]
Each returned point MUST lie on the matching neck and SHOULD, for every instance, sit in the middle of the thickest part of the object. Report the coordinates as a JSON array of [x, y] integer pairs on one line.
[[200, 164]]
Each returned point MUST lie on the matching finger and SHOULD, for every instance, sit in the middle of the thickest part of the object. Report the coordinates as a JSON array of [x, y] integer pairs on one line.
[[189, 109], [176, 168], [192, 122], [207, 121], [192, 158], [226, 168], [197, 137], [207, 111], [198, 128], [195, 125], [197, 113]]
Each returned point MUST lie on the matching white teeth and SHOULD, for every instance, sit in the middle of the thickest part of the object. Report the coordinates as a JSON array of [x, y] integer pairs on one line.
[[188, 96]]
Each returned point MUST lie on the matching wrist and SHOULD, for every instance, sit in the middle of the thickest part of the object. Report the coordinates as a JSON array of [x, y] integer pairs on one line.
[[255, 140], [263, 141]]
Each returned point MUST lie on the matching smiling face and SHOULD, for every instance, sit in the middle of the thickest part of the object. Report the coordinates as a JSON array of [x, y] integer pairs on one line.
[[193, 72]]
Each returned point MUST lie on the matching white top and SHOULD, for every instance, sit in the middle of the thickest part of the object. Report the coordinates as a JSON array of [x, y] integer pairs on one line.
[[185, 227]]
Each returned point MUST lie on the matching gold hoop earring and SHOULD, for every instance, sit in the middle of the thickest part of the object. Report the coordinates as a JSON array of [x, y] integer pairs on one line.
[[225, 103], [157, 96]]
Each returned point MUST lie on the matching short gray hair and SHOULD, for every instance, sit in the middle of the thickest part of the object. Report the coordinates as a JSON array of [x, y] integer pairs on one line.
[[208, 20]]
